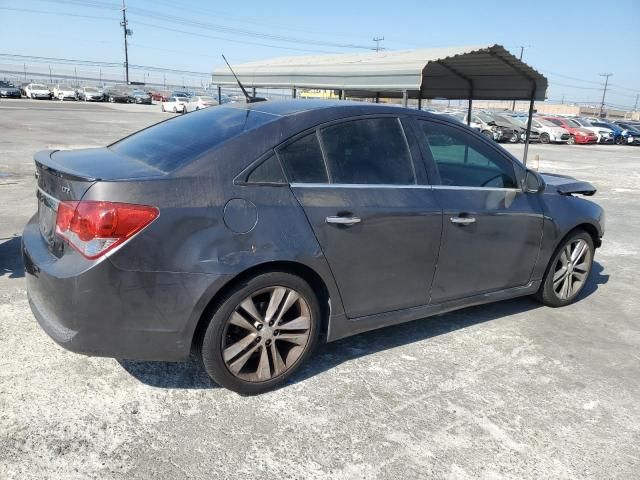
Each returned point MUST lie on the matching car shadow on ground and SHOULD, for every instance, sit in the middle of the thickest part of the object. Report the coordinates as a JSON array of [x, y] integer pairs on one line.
[[11, 258], [191, 375]]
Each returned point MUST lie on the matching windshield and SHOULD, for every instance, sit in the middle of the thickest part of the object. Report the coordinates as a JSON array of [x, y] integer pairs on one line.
[[546, 123], [90, 89], [37, 86], [171, 144], [484, 117], [582, 123], [5, 84], [573, 123], [206, 99]]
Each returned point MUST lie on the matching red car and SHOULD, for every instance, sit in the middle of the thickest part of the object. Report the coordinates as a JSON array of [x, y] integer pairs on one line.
[[576, 132], [160, 96]]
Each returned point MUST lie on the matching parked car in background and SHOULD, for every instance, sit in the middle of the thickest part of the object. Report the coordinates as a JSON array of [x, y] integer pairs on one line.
[[456, 116], [549, 131], [117, 94], [180, 93], [605, 135], [160, 95], [620, 134], [198, 102], [9, 90], [175, 105], [521, 129], [64, 92], [490, 129], [37, 91], [90, 94], [632, 131], [140, 96], [577, 134], [174, 240]]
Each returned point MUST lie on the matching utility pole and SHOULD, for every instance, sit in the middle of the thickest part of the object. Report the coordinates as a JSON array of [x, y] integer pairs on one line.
[[635, 106], [604, 92], [50, 75], [378, 40], [75, 70], [513, 105], [25, 71], [127, 33]]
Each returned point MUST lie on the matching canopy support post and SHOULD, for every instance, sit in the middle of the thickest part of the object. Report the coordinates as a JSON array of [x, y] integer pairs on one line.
[[253, 90], [469, 111], [294, 92], [343, 95], [405, 99], [377, 97], [219, 95], [419, 100], [526, 140]]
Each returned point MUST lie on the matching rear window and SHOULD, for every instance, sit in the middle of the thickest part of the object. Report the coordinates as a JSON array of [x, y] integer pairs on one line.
[[176, 142]]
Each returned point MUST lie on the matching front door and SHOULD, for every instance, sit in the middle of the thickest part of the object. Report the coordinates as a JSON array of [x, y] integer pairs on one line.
[[492, 230], [377, 225]]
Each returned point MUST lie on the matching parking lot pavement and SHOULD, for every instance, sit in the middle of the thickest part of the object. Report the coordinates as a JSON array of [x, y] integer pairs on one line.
[[509, 390]]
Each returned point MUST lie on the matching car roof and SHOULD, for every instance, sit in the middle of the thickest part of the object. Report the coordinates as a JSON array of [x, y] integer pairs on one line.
[[286, 108]]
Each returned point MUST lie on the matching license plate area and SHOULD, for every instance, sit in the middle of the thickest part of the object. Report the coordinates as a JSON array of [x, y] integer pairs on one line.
[[47, 213]]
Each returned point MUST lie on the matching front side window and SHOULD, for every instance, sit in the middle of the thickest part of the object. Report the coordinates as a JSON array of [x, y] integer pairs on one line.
[[464, 160], [368, 151], [302, 160]]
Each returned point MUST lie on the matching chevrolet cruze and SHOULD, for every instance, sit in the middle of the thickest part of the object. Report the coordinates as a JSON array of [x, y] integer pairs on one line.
[[248, 232]]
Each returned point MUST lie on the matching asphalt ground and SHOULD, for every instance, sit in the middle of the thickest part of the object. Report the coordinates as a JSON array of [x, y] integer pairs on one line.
[[508, 390]]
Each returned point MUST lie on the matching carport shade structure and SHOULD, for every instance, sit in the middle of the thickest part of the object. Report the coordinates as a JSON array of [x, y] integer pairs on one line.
[[457, 73]]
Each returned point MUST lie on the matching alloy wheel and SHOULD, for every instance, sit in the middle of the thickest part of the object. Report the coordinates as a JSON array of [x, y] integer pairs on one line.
[[266, 334], [572, 269]]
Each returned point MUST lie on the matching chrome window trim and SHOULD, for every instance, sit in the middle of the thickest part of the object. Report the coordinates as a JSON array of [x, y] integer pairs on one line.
[[422, 187], [55, 202]]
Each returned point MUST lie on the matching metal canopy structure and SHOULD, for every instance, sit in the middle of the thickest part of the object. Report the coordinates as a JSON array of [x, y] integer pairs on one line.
[[478, 72], [486, 72]]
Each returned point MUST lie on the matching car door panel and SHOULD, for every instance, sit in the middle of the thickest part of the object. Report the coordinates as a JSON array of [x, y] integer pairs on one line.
[[386, 261], [497, 251]]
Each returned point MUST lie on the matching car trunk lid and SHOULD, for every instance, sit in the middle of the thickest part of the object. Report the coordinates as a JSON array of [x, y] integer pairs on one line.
[[67, 175]]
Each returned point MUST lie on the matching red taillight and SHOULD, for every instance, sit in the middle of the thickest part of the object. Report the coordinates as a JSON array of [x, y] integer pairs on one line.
[[94, 228]]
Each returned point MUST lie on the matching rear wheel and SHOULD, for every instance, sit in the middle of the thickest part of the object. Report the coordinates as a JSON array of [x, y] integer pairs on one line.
[[572, 140], [568, 271], [261, 333], [545, 138]]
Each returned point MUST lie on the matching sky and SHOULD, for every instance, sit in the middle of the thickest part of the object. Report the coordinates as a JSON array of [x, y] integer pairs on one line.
[[572, 43]]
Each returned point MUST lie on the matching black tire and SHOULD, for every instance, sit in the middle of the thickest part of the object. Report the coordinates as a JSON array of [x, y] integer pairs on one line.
[[515, 138], [545, 138], [211, 347], [547, 294], [175, 110], [620, 140], [572, 140], [488, 134]]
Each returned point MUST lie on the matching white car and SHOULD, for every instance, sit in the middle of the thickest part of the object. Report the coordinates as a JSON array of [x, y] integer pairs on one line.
[[198, 102], [64, 92], [175, 105], [37, 90], [549, 132], [605, 135]]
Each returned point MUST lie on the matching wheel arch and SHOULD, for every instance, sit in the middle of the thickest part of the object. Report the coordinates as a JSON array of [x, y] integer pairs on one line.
[[315, 281]]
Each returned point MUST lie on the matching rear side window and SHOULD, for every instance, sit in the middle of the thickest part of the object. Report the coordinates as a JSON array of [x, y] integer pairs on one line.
[[368, 151], [268, 171], [302, 159], [176, 142], [464, 160]]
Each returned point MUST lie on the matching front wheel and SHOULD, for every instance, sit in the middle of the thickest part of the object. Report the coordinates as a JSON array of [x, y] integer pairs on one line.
[[621, 140], [572, 140], [488, 134], [261, 333], [545, 138], [515, 138], [568, 271]]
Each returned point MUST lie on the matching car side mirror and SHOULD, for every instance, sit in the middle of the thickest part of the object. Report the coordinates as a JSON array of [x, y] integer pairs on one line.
[[533, 182]]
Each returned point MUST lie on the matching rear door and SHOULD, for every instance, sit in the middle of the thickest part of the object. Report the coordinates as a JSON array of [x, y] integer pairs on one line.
[[492, 230], [375, 218]]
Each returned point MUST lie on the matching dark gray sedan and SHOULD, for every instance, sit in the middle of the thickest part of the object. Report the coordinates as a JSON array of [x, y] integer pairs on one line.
[[248, 232]]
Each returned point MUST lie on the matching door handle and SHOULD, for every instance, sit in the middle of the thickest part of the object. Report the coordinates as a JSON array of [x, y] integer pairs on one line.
[[343, 220], [463, 221]]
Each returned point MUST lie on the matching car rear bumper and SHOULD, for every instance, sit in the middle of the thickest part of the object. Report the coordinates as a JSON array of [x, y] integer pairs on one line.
[[95, 308]]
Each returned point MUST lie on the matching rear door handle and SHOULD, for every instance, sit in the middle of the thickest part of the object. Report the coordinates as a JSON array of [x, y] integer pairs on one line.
[[463, 221], [343, 220]]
